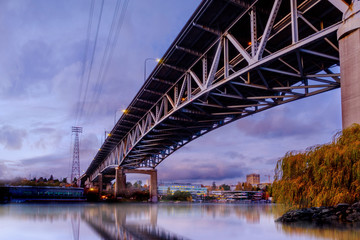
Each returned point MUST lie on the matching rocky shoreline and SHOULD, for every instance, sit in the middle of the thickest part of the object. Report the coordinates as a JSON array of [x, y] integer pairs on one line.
[[342, 213]]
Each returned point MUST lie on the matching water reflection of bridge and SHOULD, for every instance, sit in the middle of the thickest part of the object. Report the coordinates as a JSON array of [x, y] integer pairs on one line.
[[131, 222], [142, 221], [127, 223]]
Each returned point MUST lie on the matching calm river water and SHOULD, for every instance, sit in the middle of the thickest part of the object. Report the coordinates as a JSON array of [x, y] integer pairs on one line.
[[155, 221]]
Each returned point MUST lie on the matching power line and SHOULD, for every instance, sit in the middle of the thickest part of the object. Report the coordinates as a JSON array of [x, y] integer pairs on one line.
[[91, 62], [91, 14], [106, 51], [109, 50]]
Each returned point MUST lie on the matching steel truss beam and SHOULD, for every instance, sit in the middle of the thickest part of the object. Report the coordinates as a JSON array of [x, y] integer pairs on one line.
[[210, 94]]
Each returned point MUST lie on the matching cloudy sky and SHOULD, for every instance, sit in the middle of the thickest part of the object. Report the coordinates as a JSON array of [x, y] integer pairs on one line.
[[45, 70]]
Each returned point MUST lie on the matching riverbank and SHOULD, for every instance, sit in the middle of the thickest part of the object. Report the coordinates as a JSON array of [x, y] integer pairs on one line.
[[341, 213]]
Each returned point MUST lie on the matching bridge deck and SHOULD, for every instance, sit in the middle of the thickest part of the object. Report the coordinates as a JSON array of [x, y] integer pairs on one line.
[[232, 59]]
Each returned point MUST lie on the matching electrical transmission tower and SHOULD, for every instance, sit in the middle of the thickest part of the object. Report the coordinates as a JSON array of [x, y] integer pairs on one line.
[[75, 170]]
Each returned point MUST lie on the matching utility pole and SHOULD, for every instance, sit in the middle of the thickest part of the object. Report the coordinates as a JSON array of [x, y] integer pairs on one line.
[[75, 170]]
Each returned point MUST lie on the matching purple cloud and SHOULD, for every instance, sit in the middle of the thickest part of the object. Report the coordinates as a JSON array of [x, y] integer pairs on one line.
[[206, 169], [12, 138], [40, 67], [292, 120], [56, 164], [3, 170]]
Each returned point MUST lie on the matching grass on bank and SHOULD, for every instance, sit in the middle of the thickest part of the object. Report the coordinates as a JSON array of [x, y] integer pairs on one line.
[[323, 175]]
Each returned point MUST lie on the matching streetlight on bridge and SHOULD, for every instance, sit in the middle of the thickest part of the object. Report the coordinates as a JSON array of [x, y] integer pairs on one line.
[[146, 60], [124, 112]]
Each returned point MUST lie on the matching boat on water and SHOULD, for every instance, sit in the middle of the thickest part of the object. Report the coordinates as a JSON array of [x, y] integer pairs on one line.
[[20, 194]]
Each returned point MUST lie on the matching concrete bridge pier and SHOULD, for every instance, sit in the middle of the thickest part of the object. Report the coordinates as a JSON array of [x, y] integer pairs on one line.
[[153, 186], [87, 184], [153, 215], [108, 187], [153, 181], [100, 182], [120, 182], [349, 48]]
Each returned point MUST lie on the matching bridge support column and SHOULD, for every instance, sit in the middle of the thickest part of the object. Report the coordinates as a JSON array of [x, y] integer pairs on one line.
[[153, 215], [100, 182], [87, 183], [349, 47], [108, 187], [120, 181], [153, 186]]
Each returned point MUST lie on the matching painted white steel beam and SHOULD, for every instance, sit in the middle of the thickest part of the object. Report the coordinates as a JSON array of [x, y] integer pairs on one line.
[[340, 4], [224, 81]]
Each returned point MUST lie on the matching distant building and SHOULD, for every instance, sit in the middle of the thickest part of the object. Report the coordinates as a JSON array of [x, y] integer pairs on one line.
[[253, 179], [194, 189]]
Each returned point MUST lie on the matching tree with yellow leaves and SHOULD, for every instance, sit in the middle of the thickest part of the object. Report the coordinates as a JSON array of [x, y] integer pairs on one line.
[[322, 175]]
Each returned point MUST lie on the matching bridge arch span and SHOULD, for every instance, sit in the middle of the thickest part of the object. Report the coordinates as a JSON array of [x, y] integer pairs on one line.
[[231, 60]]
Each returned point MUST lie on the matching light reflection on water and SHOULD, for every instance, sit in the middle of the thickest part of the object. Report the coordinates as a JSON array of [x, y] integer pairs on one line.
[[155, 221]]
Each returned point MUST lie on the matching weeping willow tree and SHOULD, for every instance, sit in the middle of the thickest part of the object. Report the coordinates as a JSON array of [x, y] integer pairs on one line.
[[323, 175]]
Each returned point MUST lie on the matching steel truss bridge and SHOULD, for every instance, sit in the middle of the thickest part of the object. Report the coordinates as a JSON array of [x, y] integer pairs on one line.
[[232, 59]]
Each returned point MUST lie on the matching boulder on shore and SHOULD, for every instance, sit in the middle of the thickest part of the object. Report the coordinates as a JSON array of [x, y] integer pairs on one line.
[[342, 212]]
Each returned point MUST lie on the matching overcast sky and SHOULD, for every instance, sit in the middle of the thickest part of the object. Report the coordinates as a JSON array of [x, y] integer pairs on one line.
[[42, 51]]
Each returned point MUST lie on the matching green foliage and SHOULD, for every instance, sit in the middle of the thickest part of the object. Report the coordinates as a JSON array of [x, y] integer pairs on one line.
[[224, 187], [238, 186], [209, 198], [213, 187], [322, 175], [140, 196], [137, 184], [178, 196], [248, 187], [34, 182]]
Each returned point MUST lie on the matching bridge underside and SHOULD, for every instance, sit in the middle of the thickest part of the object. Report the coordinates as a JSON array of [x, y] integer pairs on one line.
[[231, 60]]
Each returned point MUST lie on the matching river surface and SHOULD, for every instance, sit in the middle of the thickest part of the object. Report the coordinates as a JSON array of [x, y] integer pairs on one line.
[[155, 221]]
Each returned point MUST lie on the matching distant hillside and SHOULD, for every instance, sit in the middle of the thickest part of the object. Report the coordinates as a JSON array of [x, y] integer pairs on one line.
[[323, 175]]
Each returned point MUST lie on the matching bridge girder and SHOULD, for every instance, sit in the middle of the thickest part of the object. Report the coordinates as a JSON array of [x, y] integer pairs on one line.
[[291, 56]]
